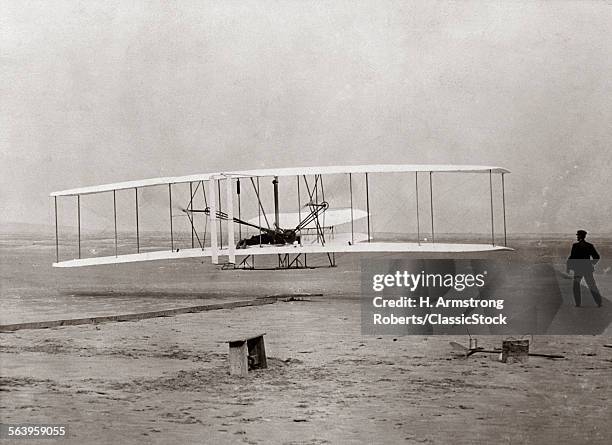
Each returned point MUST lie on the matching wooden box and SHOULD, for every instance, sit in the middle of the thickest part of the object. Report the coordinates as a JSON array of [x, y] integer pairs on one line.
[[247, 353], [515, 350]]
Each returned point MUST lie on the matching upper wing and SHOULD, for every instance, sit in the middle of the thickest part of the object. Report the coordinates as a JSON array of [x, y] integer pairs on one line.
[[375, 168], [134, 184], [298, 171]]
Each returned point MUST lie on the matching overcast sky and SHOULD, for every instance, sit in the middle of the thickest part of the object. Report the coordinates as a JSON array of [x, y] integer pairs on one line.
[[95, 92]]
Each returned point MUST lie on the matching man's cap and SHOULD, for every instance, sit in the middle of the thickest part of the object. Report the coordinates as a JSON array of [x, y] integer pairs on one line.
[[581, 233]]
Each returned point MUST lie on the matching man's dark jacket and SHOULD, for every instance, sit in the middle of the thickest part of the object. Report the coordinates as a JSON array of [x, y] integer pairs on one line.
[[580, 258]]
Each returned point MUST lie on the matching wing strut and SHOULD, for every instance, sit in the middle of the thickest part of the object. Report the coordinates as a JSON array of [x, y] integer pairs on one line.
[[170, 206], [79, 223], [433, 235], [504, 207], [276, 211], [352, 222], [203, 193], [311, 193], [194, 232], [206, 220], [368, 204], [298, 197], [260, 208], [219, 203], [189, 213], [323, 200], [491, 195], [314, 193], [137, 229], [231, 246], [314, 211], [313, 205], [416, 185], [56, 231], [190, 207], [213, 226], [239, 215], [115, 218]]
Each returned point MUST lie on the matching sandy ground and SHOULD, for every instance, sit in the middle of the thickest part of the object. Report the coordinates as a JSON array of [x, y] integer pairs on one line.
[[166, 379]]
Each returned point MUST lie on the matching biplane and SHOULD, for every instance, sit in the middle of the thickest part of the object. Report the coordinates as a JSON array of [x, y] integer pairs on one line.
[[230, 220]]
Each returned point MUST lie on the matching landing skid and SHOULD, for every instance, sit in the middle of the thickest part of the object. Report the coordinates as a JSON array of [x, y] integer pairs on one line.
[[285, 262]]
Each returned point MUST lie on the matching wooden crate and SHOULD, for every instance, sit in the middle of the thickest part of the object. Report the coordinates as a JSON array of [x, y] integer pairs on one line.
[[247, 353], [515, 350]]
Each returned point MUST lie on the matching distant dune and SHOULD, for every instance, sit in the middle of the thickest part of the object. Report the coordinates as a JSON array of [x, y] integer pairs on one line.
[[20, 227]]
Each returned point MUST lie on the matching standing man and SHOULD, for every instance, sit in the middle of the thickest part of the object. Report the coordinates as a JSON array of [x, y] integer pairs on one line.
[[581, 261]]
